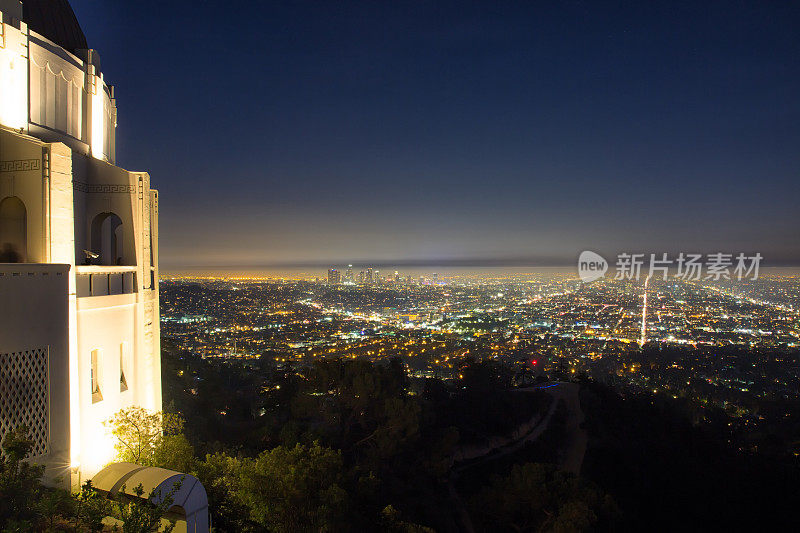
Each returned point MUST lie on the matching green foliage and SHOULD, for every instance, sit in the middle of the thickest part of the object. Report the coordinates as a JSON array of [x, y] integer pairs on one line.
[[397, 427], [20, 488], [440, 448], [483, 405], [359, 407], [391, 522], [539, 497], [359, 450], [18, 526], [25, 505], [294, 489], [151, 438], [52, 507], [16, 444], [221, 398], [301, 488], [145, 516], [485, 377], [174, 452], [90, 508], [220, 475]]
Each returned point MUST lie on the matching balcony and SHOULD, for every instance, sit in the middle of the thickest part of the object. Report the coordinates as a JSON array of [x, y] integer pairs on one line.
[[22, 285], [95, 280]]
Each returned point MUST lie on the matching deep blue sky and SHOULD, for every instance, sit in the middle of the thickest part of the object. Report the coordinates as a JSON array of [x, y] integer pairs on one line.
[[431, 131]]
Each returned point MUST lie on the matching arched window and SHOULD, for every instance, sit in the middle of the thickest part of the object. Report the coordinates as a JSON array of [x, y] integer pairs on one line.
[[107, 234], [13, 231]]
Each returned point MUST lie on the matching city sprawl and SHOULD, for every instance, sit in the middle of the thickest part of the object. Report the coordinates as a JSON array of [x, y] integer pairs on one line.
[[730, 346]]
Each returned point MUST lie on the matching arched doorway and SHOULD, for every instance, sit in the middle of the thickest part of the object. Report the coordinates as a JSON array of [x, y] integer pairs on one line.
[[13, 231], [107, 232]]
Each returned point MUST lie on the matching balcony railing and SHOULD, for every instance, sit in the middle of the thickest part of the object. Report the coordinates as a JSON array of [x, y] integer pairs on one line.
[[93, 280]]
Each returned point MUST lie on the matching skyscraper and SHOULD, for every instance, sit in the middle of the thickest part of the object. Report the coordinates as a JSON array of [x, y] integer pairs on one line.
[[79, 307], [334, 276]]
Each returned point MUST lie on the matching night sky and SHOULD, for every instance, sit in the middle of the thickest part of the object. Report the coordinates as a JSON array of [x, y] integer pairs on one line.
[[457, 133]]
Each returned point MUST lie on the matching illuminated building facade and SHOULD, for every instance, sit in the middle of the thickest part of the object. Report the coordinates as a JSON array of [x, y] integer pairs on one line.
[[79, 307]]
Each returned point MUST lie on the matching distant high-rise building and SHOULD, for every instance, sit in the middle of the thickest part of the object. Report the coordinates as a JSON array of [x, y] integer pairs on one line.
[[435, 278], [370, 275], [348, 275], [397, 276], [334, 276], [361, 278]]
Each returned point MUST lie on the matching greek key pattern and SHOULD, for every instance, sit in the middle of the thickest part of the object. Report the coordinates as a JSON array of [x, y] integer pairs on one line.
[[20, 165], [103, 188]]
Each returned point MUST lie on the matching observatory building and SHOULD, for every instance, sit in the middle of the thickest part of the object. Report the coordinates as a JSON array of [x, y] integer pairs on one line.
[[79, 331]]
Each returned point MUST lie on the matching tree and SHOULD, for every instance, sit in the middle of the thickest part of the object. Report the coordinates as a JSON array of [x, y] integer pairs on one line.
[[20, 488], [151, 438], [220, 475], [358, 406], [485, 377], [52, 507], [539, 497], [398, 424], [294, 489], [25, 505], [174, 453]]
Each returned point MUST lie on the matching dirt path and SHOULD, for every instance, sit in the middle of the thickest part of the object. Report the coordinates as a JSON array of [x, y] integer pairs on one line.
[[577, 438], [571, 456]]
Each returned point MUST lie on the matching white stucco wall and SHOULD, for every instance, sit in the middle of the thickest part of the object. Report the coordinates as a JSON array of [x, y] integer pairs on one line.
[[63, 190], [34, 314]]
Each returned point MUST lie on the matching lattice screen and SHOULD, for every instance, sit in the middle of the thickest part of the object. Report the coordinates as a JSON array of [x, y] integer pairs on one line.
[[24, 395]]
